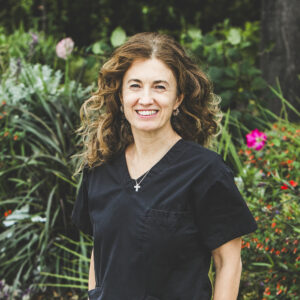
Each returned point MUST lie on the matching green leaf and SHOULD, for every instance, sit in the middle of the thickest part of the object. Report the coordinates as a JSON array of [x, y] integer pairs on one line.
[[118, 37], [97, 48], [258, 83], [234, 36], [227, 97], [233, 54], [296, 228], [282, 265], [261, 264], [215, 73], [195, 33], [228, 83], [230, 72]]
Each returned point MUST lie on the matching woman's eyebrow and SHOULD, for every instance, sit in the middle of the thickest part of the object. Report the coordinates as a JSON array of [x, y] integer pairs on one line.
[[136, 80], [155, 82], [161, 81]]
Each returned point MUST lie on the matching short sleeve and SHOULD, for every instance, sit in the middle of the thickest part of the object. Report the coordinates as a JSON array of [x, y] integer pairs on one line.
[[222, 212], [80, 214]]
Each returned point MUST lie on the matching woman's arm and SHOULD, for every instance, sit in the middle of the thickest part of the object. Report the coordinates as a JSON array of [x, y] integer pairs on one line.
[[228, 264], [92, 281]]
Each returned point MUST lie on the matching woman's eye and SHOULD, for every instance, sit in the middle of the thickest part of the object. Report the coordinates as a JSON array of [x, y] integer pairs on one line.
[[160, 87], [134, 86]]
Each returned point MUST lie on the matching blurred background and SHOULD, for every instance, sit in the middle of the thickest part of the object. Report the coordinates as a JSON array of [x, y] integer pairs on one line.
[[50, 55]]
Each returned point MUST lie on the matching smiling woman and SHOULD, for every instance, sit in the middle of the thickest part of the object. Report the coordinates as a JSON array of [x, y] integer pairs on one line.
[[148, 101], [107, 133], [158, 203]]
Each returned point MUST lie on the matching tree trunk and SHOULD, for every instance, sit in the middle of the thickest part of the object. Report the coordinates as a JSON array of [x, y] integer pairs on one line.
[[280, 48]]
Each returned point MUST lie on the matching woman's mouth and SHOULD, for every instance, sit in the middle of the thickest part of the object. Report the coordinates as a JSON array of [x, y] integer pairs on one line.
[[147, 113]]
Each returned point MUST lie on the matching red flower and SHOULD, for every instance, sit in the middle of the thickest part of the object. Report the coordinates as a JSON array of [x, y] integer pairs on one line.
[[284, 187], [279, 292], [273, 224], [8, 212], [293, 183]]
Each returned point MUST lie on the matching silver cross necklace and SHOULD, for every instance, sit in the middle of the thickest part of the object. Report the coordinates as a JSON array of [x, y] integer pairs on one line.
[[137, 184]]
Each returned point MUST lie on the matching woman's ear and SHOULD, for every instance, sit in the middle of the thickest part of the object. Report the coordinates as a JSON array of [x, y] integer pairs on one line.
[[179, 100]]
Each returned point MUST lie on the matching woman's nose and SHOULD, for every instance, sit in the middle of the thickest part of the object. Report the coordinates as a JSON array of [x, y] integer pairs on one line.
[[146, 97]]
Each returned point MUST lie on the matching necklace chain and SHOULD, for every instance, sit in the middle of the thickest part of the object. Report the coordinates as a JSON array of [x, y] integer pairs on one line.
[[137, 184]]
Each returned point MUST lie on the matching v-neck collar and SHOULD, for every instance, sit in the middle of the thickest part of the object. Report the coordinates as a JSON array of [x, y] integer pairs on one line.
[[168, 156]]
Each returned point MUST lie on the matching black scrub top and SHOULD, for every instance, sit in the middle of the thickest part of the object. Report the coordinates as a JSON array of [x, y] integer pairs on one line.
[[156, 243]]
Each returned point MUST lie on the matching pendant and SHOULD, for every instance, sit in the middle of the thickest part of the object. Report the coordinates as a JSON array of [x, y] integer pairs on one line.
[[137, 186]]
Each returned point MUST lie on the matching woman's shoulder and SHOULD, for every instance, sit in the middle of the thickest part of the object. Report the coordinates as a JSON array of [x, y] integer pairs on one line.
[[196, 150], [199, 155]]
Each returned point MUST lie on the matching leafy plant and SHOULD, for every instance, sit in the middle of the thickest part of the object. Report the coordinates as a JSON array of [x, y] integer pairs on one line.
[[269, 181], [229, 56], [39, 116], [33, 46]]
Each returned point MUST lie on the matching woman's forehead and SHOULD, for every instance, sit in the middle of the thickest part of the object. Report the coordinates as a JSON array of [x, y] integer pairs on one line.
[[149, 70]]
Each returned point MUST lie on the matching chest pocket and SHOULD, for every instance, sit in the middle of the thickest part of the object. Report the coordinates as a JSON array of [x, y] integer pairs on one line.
[[170, 236]]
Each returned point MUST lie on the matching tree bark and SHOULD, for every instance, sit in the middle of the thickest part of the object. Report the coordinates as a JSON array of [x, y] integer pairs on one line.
[[280, 48]]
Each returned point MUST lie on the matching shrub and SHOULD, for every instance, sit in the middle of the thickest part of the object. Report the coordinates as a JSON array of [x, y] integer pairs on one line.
[[270, 182], [37, 190]]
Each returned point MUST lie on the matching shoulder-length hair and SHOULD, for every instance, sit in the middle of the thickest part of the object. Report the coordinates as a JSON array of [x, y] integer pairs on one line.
[[104, 130]]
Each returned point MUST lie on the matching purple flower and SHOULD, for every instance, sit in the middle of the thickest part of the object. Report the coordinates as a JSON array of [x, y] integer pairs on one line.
[[35, 38], [64, 48], [277, 212], [256, 139]]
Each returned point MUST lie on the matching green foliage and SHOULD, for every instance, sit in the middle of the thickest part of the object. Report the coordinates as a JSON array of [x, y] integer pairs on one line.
[[33, 46], [38, 118], [228, 55], [118, 37], [270, 182], [38, 115], [88, 21]]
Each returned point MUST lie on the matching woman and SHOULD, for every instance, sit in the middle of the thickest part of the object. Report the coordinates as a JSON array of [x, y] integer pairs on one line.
[[157, 201]]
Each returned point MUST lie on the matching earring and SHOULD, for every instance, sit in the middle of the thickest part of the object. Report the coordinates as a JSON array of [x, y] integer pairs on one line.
[[121, 109], [176, 112]]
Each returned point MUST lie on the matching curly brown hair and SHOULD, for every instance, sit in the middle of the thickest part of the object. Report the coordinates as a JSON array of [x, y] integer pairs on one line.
[[106, 133]]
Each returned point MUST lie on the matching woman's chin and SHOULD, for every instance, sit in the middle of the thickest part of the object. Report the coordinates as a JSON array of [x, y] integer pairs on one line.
[[145, 129]]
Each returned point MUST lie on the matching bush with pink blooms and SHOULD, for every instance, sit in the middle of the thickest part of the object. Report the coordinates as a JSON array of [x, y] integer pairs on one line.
[[270, 184]]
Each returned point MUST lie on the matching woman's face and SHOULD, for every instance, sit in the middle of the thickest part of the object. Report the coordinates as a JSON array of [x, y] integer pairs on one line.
[[149, 95]]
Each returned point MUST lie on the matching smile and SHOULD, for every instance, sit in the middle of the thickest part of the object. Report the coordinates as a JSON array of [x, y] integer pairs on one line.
[[147, 112]]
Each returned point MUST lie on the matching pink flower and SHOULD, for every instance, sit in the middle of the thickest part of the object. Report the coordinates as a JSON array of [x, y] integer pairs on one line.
[[256, 139], [64, 48]]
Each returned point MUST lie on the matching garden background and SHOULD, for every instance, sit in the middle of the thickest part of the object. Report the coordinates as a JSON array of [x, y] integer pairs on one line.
[[249, 50]]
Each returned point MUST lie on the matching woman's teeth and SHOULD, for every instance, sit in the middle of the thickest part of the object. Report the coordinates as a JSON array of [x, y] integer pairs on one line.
[[146, 112]]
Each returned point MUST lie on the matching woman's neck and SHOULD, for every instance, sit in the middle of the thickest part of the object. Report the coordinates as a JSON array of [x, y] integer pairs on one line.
[[147, 144], [147, 150]]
